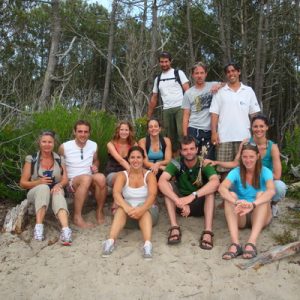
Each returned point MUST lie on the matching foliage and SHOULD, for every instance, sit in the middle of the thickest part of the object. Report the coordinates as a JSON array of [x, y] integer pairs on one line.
[[18, 139], [140, 128], [292, 150], [294, 194], [284, 238]]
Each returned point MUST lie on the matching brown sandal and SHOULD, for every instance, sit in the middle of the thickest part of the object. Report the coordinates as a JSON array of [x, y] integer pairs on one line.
[[230, 254], [177, 236], [250, 253], [204, 244]]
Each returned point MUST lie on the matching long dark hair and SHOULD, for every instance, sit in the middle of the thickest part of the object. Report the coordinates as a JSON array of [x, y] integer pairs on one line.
[[257, 169]]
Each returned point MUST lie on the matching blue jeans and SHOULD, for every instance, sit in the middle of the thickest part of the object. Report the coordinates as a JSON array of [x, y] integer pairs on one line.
[[280, 189], [203, 138]]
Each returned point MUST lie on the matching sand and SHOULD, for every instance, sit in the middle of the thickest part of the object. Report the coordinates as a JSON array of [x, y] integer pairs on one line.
[[47, 270]]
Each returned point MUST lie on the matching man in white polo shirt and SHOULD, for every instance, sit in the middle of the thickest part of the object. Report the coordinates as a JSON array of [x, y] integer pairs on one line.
[[230, 110], [82, 163]]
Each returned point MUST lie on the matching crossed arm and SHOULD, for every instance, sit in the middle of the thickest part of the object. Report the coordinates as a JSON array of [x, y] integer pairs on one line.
[[134, 212], [164, 185]]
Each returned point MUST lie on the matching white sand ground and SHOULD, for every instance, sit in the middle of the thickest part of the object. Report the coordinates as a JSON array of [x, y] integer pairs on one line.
[[47, 270]]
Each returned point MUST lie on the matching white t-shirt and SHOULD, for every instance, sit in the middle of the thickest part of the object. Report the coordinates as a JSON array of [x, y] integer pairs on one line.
[[198, 102], [77, 162], [170, 90], [234, 109]]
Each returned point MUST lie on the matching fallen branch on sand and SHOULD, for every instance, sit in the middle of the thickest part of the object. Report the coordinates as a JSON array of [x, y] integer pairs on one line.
[[275, 253]]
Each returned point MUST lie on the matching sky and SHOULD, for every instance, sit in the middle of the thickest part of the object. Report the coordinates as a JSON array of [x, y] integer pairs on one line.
[[105, 3]]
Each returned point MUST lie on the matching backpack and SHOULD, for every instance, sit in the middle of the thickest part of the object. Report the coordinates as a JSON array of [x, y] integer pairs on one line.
[[176, 77], [182, 168], [161, 141], [36, 159]]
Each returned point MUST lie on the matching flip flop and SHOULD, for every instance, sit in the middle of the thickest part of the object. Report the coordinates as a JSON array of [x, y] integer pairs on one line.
[[204, 244], [174, 238], [239, 251]]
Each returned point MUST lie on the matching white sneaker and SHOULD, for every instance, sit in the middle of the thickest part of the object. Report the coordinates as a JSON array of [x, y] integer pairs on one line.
[[108, 247], [38, 232], [66, 236], [275, 210], [147, 250]]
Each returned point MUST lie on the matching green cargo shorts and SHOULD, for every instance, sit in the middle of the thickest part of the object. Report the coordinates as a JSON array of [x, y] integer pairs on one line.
[[172, 121]]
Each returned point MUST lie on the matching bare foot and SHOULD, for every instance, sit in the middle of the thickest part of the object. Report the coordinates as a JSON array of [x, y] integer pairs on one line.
[[100, 216], [82, 224]]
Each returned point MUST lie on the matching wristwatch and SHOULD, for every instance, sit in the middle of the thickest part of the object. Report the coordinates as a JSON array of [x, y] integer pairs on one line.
[[195, 194]]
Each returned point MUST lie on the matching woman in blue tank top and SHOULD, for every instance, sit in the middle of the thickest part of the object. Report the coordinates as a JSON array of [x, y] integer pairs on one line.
[[158, 149], [270, 157]]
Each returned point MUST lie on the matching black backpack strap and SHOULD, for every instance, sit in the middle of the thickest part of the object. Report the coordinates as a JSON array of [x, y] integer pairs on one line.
[[163, 144], [158, 81], [33, 162], [177, 78], [147, 143], [58, 160]]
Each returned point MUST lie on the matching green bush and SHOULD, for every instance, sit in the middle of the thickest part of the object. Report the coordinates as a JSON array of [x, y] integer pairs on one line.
[[140, 128], [18, 139], [292, 150]]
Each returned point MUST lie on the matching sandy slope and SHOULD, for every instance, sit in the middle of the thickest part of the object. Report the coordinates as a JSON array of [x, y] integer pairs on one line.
[[32, 270]]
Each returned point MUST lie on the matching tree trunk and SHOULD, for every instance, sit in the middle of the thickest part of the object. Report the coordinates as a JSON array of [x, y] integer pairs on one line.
[[109, 53], [244, 20], [260, 45], [153, 50], [52, 61], [190, 34], [224, 29]]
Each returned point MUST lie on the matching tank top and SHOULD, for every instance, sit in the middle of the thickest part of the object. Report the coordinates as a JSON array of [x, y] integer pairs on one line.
[[135, 196], [78, 162], [266, 160], [155, 156], [112, 165]]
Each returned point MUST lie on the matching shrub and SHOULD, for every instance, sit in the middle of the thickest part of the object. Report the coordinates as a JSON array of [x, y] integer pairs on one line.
[[140, 128], [292, 150], [18, 139]]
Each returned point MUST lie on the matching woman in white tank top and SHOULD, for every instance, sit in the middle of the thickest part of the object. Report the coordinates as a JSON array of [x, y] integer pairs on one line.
[[134, 192]]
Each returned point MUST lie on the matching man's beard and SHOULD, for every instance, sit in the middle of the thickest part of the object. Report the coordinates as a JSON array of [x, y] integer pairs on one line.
[[190, 159]]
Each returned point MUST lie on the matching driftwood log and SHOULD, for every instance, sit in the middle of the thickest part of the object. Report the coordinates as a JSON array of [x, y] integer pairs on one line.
[[294, 186], [275, 253], [16, 218]]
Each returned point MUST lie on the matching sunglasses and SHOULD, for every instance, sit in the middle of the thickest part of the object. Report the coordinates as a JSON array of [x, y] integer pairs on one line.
[[81, 153], [48, 132], [250, 145]]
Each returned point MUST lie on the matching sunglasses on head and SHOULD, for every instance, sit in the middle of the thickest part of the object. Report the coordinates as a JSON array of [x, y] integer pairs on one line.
[[250, 145], [48, 132]]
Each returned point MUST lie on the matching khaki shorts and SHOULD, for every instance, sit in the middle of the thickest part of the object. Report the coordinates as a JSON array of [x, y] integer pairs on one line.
[[227, 152]]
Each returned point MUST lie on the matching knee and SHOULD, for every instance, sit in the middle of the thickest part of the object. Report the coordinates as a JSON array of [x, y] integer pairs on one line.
[[85, 181], [99, 180], [43, 188], [210, 197]]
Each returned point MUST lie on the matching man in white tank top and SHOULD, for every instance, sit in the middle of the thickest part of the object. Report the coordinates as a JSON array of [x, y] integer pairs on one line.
[[82, 163]]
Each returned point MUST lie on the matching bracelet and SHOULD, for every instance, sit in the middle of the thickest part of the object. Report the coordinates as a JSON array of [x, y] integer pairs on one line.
[[235, 202]]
